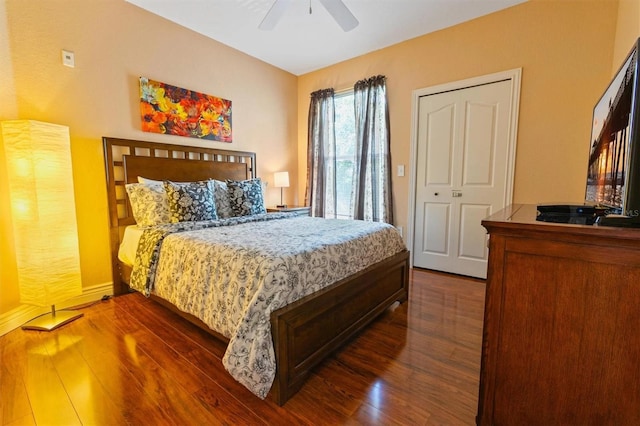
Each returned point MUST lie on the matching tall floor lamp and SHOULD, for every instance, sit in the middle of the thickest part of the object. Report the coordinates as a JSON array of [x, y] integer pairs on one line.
[[281, 180], [38, 157]]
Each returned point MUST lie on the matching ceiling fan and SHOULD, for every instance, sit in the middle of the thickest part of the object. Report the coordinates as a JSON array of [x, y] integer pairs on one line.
[[336, 8]]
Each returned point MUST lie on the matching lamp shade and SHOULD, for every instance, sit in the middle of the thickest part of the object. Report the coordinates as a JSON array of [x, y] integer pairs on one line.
[[281, 179], [38, 157]]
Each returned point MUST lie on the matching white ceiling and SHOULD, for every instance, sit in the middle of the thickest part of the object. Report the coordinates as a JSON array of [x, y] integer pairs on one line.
[[303, 42]]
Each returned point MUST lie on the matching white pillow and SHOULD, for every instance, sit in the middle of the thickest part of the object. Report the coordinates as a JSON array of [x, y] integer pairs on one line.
[[221, 197], [149, 204], [149, 181]]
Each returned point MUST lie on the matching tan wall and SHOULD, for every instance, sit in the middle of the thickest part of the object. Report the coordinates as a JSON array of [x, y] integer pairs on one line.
[[627, 31], [8, 109], [114, 43], [565, 51]]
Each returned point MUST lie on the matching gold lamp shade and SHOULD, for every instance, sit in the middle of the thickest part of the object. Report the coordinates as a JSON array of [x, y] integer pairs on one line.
[[40, 176]]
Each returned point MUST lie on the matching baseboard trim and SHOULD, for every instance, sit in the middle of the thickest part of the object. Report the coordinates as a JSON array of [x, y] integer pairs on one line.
[[16, 317]]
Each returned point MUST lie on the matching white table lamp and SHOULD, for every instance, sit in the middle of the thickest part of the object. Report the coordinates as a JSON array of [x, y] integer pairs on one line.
[[281, 180]]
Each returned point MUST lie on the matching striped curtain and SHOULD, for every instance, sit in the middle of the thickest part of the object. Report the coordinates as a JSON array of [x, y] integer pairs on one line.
[[372, 198], [321, 155]]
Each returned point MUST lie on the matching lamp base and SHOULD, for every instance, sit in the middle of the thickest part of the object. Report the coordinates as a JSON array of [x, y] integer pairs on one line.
[[52, 320]]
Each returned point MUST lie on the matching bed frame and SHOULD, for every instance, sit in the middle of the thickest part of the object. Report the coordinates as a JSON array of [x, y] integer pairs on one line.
[[305, 332]]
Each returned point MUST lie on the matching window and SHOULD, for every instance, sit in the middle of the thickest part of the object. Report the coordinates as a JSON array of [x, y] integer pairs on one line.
[[348, 154], [345, 153]]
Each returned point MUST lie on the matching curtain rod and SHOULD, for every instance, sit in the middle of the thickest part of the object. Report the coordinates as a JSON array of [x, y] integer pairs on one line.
[[343, 90]]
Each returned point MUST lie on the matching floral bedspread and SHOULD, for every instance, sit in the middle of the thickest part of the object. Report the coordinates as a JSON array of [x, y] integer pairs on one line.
[[233, 273]]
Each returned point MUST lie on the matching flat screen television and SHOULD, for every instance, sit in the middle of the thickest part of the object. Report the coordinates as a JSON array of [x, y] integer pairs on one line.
[[613, 177]]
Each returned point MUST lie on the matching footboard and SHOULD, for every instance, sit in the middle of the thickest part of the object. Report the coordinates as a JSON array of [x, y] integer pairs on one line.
[[307, 331]]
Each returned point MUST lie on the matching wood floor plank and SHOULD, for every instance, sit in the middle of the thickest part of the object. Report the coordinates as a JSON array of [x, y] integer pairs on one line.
[[173, 320], [17, 408], [91, 400], [205, 356], [113, 358], [368, 415], [49, 400], [131, 361], [163, 389]]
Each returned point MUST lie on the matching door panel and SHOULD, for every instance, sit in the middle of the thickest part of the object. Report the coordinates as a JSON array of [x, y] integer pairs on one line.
[[473, 239], [438, 157], [462, 157], [479, 144], [436, 227]]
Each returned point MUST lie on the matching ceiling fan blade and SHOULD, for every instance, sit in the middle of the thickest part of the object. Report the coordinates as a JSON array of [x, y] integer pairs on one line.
[[341, 14], [274, 14]]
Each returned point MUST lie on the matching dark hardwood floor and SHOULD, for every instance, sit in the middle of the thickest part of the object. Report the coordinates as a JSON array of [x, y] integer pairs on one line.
[[130, 361]]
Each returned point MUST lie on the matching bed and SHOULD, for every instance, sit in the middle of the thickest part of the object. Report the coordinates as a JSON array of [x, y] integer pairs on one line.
[[302, 332]]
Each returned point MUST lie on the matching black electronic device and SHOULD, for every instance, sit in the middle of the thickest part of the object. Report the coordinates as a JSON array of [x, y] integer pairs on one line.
[[581, 214], [619, 221]]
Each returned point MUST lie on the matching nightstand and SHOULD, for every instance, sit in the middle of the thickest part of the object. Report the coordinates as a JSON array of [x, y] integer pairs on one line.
[[299, 210]]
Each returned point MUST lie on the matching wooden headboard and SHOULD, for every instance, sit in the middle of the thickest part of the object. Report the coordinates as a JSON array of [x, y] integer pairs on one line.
[[125, 160]]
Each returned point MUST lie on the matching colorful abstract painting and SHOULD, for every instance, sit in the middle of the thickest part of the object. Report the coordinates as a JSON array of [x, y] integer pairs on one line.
[[171, 110]]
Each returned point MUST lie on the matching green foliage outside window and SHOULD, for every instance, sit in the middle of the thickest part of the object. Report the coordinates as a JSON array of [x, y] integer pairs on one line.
[[345, 152]]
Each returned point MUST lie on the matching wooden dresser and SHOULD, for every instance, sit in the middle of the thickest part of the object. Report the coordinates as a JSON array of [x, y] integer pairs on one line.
[[561, 341]]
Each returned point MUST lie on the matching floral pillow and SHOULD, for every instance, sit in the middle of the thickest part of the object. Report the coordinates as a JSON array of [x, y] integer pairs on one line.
[[149, 181], [246, 197], [190, 201], [149, 204], [221, 197]]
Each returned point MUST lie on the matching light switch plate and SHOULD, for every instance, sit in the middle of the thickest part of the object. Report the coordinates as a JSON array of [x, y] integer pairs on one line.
[[401, 170], [68, 59]]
